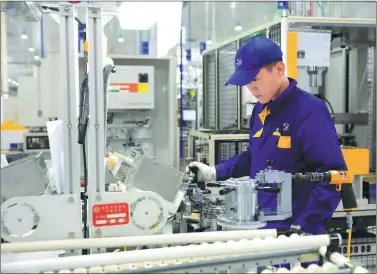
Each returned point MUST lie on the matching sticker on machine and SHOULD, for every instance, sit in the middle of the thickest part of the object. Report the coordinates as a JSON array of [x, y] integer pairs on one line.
[[110, 214]]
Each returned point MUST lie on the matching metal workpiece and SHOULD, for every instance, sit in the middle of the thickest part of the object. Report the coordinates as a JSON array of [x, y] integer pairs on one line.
[[241, 205], [278, 182], [209, 216], [242, 210]]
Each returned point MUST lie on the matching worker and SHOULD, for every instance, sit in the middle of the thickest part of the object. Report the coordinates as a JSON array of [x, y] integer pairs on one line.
[[290, 127]]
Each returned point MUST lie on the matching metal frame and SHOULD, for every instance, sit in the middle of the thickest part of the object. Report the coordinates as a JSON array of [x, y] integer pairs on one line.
[[70, 88], [96, 127], [287, 23], [67, 206], [205, 257], [226, 264], [211, 138], [66, 222]]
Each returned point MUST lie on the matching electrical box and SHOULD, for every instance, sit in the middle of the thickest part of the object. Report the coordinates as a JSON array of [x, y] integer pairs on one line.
[[131, 87]]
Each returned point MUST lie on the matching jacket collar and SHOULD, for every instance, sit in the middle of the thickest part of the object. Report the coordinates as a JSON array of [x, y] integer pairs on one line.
[[274, 104]]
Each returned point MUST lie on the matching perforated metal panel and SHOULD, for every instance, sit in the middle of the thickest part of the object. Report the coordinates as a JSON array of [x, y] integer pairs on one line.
[[226, 149], [371, 139], [255, 34], [274, 33], [209, 91], [228, 103]]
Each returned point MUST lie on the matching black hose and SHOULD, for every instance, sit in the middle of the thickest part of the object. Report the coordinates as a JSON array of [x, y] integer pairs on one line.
[[327, 103], [77, 19]]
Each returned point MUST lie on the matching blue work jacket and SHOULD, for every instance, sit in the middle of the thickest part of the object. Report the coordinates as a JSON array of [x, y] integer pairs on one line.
[[297, 132]]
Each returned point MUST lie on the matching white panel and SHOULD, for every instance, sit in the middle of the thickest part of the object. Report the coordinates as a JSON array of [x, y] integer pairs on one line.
[[335, 84], [125, 91], [9, 109], [28, 103], [249, 99]]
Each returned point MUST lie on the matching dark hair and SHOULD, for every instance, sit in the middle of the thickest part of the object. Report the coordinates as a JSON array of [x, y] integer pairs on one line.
[[272, 64]]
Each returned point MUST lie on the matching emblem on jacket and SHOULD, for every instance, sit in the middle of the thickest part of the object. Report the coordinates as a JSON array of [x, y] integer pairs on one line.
[[286, 127]]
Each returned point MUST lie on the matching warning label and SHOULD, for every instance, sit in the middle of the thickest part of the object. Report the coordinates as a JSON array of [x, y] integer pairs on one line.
[[110, 214]]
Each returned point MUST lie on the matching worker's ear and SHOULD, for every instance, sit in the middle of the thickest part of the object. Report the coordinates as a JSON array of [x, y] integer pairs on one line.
[[280, 68]]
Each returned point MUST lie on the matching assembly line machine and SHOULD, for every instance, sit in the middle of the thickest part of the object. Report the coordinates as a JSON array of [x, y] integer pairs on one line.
[[145, 213], [138, 209]]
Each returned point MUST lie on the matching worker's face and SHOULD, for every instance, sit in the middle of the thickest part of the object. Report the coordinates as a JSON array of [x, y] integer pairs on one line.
[[266, 85]]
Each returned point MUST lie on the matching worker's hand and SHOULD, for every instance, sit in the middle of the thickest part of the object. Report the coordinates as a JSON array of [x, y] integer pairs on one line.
[[205, 173]]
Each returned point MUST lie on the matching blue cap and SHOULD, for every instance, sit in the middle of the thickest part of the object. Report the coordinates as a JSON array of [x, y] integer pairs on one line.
[[251, 57]]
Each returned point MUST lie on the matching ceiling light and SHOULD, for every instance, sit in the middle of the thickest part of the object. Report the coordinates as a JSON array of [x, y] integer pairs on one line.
[[120, 39], [209, 42], [233, 5], [9, 80], [14, 82], [31, 49], [238, 28], [23, 36], [17, 84], [36, 57]]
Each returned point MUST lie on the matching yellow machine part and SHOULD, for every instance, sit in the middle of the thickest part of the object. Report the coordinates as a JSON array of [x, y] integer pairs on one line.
[[85, 46], [357, 160], [10, 125]]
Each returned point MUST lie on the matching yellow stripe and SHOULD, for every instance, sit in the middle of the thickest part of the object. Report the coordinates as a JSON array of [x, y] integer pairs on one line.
[[276, 133], [292, 55], [258, 133], [263, 114]]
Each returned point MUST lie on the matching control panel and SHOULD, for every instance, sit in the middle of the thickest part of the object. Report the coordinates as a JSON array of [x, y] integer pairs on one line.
[[131, 87]]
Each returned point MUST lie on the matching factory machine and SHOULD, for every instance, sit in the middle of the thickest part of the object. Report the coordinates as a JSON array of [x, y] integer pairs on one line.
[[144, 199], [333, 58], [146, 208], [140, 106]]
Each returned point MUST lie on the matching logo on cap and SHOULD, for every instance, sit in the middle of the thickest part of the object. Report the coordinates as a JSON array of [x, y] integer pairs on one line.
[[238, 62]]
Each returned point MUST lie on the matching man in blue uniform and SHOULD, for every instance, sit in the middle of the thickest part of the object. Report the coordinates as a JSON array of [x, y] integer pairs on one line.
[[289, 126]]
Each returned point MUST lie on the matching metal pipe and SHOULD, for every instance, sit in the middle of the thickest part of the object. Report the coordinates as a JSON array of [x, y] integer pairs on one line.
[[137, 240], [181, 95], [284, 36], [42, 38], [341, 261], [4, 56], [217, 249]]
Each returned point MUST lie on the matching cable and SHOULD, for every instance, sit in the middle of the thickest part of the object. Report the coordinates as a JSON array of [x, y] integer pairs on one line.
[[327, 102], [77, 20], [85, 197], [349, 222], [349, 243]]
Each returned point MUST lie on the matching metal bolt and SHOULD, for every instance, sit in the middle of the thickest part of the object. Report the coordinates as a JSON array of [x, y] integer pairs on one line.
[[71, 235], [66, 9], [98, 232], [71, 200], [69, 125], [98, 197], [96, 126]]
